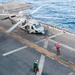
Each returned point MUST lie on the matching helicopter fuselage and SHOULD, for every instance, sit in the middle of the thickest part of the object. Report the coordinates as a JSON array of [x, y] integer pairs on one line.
[[32, 26]]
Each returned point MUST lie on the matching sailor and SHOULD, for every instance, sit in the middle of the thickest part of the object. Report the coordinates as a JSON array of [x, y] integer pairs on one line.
[[35, 64], [57, 45]]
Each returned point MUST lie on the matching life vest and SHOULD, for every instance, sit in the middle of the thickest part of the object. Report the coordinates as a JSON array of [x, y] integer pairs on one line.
[[35, 64], [57, 46]]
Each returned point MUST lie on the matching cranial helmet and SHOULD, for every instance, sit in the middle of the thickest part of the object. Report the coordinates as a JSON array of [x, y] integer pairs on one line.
[[36, 60]]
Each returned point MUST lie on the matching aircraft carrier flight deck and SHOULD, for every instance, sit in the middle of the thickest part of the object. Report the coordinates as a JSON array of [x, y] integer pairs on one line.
[[19, 49]]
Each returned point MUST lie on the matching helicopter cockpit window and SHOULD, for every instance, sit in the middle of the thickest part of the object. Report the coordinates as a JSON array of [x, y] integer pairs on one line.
[[37, 25], [28, 16]]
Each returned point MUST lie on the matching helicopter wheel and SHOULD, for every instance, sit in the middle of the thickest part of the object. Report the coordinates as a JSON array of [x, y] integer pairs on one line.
[[28, 32], [36, 31]]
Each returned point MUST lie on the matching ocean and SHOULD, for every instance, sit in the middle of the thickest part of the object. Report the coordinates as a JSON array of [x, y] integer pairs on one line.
[[56, 12]]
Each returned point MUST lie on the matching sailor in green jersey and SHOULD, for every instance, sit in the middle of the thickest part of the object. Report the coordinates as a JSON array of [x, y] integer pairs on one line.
[[35, 64]]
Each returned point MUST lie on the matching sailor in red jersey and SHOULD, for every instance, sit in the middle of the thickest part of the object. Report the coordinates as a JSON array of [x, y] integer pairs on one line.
[[57, 45]]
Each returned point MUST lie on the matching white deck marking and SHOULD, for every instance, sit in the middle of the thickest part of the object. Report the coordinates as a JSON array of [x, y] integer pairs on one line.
[[46, 43], [40, 41], [21, 48], [55, 35], [50, 37], [66, 46], [72, 73], [41, 63]]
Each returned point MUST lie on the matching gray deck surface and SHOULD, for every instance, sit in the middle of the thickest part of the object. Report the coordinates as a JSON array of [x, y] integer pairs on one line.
[[21, 62]]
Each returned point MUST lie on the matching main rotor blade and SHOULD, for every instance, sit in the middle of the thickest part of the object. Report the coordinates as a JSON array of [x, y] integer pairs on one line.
[[6, 14], [46, 17], [36, 10], [13, 27]]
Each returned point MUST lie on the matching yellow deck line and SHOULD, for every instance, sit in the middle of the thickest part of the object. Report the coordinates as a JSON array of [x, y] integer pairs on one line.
[[42, 50]]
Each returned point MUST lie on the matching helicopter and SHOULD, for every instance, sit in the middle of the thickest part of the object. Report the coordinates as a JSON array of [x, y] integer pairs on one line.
[[24, 21]]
